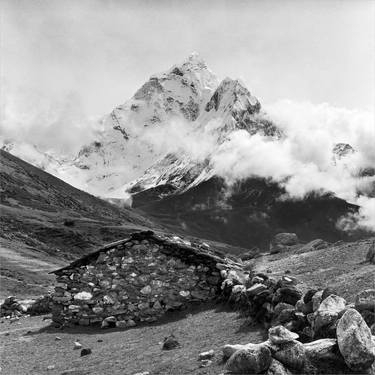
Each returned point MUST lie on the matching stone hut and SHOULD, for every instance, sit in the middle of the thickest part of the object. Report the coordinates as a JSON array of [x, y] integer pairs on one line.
[[136, 280]]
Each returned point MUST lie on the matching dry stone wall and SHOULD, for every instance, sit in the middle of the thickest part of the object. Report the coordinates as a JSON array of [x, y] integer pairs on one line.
[[311, 333], [135, 281]]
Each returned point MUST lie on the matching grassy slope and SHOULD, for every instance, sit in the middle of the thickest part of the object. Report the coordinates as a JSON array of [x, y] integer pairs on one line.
[[35, 207], [341, 267], [34, 237]]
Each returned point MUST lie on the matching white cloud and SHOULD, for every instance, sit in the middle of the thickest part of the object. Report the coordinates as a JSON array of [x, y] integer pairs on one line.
[[303, 161]]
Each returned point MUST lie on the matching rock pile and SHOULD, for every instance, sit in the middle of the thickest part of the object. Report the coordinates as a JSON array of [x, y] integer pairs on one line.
[[342, 334], [282, 353], [11, 307], [135, 280]]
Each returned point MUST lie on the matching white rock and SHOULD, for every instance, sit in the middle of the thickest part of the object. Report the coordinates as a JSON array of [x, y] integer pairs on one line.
[[146, 290], [206, 355], [77, 345], [83, 296]]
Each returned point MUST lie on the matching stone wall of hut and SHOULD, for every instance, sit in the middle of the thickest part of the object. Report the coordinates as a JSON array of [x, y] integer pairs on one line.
[[136, 281]]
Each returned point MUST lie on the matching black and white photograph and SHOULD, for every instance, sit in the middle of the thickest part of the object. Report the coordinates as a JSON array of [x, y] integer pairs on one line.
[[187, 187]]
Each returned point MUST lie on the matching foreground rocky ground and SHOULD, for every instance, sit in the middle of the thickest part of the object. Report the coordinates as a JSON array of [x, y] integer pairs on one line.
[[31, 345], [342, 268]]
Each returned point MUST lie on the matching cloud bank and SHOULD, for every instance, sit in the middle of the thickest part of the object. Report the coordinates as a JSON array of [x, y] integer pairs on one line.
[[303, 161]]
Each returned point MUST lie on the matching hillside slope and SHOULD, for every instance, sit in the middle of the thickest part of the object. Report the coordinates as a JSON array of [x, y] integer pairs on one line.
[[246, 214], [45, 222]]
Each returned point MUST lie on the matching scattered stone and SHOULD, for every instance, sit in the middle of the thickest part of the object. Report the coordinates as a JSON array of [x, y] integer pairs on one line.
[[57, 338], [50, 367], [99, 340], [355, 341], [255, 358], [85, 351], [77, 345], [206, 355], [170, 343], [205, 363], [280, 335]]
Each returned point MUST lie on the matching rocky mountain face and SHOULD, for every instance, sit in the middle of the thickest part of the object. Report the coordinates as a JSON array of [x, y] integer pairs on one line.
[[146, 142], [159, 147]]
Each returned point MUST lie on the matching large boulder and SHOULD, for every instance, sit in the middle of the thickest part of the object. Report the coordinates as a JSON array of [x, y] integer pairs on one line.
[[365, 300], [321, 350], [277, 368], [355, 341], [282, 242], [291, 355], [328, 311], [228, 350], [254, 359]]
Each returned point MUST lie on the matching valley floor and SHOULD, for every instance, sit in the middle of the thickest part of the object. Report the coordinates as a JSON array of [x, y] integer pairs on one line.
[[30, 347]]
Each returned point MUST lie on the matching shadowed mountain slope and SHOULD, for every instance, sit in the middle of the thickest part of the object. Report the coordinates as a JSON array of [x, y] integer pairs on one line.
[[43, 211], [246, 214]]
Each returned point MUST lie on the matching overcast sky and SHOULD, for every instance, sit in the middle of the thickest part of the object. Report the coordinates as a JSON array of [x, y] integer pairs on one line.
[[98, 53]]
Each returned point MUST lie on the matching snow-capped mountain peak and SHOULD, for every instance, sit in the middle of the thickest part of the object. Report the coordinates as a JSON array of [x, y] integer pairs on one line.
[[131, 152]]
